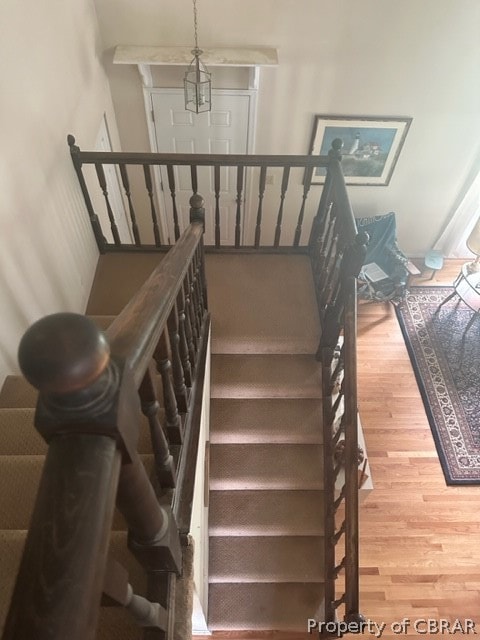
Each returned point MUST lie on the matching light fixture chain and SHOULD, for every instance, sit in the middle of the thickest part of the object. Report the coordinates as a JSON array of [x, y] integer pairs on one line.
[[195, 23]]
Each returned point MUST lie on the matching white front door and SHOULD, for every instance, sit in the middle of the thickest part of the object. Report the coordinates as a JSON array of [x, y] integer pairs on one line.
[[222, 130]]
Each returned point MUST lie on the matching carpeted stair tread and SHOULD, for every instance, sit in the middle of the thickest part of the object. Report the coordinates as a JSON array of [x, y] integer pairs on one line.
[[20, 478], [17, 392], [265, 376], [267, 513], [278, 289], [280, 466], [266, 559], [18, 435], [250, 606], [258, 420], [117, 278], [11, 548]]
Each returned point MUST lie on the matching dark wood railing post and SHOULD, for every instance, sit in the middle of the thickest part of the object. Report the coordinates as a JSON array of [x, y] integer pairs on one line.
[[94, 221], [173, 421], [164, 464]]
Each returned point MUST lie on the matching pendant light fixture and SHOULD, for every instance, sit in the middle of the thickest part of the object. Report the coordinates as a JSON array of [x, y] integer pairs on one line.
[[197, 82]]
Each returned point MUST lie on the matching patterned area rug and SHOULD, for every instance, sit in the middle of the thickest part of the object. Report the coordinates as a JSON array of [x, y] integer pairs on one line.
[[446, 360]]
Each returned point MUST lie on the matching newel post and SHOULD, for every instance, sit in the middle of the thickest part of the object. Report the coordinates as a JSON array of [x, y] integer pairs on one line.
[[197, 209], [84, 389]]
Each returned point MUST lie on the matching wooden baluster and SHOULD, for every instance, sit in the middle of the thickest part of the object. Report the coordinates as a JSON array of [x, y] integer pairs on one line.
[[177, 366], [117, 591], [278, 229], [94, 221], [202, 275], [185, 305], [103, 184], [185, 339], [195, 299], [238, 220], [173, 422], [189, 306], [216, 173], [261, 193], [193, 173], [171, 185], [153, 211], [197, 214], [164, 464], [199, 285], [126, 186], [307, 181]]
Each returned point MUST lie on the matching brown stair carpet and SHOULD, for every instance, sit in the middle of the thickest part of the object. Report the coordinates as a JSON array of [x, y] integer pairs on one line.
[[262, 304], [266, 500]]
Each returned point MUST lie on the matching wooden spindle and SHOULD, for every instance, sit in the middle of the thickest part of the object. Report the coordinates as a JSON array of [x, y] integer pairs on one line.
[[94, 221], [185, 299], [184, 338], [193, 173], [177, 366], [171, 186], [190, 315], [239, 200], [173, 422], [103, 185], [261, 193], [216, 179], [133, 219], [164, 464], [339, 567], [284, 187], [153, 535], [340, 532], [202, 275], [195, 300], [306, 188], [153, 211], [118, 592]]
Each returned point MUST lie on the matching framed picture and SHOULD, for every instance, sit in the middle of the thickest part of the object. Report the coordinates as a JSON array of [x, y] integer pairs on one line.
[[371, 146]]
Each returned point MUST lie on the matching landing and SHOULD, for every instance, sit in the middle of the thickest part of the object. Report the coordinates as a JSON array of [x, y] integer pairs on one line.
[[262, 303]]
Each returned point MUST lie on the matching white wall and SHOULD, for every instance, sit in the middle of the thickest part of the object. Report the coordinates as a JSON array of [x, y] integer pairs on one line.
[[359, 57], [51, 84]]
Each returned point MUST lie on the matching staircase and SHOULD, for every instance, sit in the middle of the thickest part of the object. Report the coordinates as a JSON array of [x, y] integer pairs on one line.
[[266, 508], [266, 498], [277, 412]]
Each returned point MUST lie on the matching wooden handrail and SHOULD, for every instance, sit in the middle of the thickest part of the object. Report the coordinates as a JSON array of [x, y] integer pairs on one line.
[[351, 455], [200, 159], [135, 332]]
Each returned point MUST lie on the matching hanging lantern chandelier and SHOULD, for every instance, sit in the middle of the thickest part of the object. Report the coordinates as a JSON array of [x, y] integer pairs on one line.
[[197, 82]]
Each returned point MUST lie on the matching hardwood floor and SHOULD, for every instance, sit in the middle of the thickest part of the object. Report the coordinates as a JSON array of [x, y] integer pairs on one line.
[[419, 539]]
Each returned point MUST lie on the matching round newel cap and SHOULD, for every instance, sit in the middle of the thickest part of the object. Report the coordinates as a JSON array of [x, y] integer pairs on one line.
[[63, 353], [196, 201]]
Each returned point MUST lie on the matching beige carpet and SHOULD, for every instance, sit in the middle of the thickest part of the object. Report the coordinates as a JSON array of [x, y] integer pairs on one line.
[[266, 499]]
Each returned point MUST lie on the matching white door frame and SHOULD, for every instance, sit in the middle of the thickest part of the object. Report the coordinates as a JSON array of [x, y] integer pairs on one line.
[[148, 92]]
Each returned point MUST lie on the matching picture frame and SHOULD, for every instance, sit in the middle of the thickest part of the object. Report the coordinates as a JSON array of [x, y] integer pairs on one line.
[[371, 146]]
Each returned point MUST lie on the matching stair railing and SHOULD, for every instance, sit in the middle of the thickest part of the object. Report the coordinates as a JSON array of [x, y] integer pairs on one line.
[[138, 172], [337, 253], [92, 389]]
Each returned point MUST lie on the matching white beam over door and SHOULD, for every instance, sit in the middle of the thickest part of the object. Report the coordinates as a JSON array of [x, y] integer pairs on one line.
[[214, 57]]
